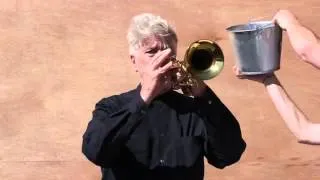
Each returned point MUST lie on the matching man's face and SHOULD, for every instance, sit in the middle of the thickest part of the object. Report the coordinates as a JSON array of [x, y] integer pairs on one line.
[[150, 46]]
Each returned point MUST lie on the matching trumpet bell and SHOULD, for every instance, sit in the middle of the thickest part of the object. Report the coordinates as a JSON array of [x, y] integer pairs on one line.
[[204, 59]]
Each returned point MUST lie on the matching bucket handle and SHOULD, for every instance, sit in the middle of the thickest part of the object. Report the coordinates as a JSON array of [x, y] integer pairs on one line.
[[260, 28], [258, 18]]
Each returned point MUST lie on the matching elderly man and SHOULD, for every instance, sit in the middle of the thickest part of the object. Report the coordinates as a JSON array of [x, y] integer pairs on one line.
[[153, 132], [306, 44]]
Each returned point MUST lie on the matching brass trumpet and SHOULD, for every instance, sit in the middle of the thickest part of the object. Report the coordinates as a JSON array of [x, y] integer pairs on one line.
[[203, 60]]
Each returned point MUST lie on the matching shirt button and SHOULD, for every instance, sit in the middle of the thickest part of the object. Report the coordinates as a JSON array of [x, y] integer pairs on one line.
[[209, 102]]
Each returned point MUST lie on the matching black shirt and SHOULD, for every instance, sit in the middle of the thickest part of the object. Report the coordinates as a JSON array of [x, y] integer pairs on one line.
[[167, 139]]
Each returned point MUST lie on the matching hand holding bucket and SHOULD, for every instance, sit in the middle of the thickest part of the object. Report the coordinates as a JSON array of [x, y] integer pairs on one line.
[[257, 46]]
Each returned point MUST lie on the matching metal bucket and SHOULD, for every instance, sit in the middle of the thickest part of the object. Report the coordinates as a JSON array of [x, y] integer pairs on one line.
[[257, 46]]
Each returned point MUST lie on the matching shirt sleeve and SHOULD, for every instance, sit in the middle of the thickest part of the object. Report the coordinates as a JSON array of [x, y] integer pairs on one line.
[[224, 144], [110, 127]]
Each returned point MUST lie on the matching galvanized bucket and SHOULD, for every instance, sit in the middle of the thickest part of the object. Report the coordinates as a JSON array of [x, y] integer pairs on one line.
[[257, 46]]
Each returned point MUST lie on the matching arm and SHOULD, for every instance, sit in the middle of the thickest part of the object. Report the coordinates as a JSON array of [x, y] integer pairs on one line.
[[115, 119], [296, 121], [110, 128], [224, 144], [305, 43]]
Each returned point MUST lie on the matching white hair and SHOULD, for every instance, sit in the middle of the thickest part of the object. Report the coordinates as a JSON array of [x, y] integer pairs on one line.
[[146, 25]]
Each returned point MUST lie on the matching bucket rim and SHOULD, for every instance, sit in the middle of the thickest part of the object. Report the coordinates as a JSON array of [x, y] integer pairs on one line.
[[266, 24]]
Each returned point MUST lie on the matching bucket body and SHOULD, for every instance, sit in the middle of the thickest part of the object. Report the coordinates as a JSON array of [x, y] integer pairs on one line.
[[257, 46]]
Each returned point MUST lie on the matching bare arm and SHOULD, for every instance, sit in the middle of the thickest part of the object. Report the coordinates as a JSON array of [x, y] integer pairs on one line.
[[305, 42], [305, 131]]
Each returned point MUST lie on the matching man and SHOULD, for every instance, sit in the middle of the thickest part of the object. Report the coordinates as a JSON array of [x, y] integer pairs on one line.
[[306, 45], [153, 132]]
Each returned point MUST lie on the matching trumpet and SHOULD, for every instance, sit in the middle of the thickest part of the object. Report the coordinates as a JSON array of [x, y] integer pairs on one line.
[[203, 60]]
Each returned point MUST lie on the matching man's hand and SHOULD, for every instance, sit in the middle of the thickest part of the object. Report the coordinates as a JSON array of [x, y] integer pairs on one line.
[[195, 91], [154, 78], [285, 19]]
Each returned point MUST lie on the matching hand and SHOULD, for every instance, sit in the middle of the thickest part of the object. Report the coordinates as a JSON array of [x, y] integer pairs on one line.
[[155, 78], [195, 91], [258, 78], [285, 19]]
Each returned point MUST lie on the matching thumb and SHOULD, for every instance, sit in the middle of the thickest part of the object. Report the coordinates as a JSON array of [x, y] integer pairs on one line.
[[236, 71]]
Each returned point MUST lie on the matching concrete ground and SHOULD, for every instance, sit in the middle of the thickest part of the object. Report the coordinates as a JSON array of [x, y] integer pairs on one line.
[[59, 57]]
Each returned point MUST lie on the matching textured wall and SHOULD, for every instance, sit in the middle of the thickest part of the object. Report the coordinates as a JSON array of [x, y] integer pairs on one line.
[[59, 57]]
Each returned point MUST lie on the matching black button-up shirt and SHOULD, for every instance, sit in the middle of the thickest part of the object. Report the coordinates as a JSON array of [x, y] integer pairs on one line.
[[167, 139]]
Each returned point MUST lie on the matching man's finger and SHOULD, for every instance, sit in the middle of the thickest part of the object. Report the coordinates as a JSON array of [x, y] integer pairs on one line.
[[159, 60], [165, 68], [156, 56]]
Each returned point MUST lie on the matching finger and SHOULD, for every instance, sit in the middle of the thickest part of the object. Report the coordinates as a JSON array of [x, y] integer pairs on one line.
[[236, 71], [166, 68], [165, 83], [159, 53], [160, 60], [156, 56]]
